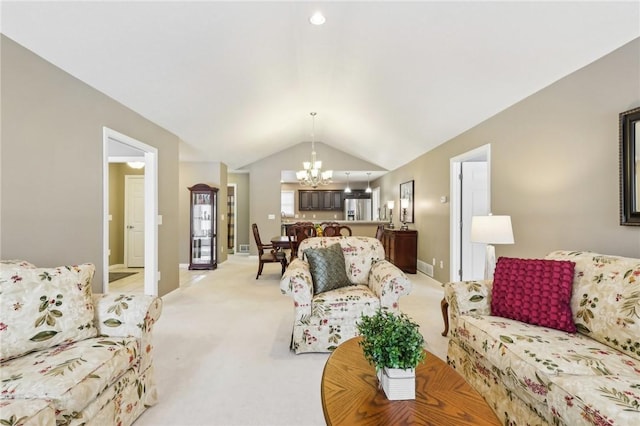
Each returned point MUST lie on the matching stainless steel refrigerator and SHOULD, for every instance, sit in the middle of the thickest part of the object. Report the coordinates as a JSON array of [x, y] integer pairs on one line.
[[357, 209]]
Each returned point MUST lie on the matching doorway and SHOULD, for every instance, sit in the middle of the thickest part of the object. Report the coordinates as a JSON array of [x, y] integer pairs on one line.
[[134, 221], [470, 183], [232, 228], [121, 148]]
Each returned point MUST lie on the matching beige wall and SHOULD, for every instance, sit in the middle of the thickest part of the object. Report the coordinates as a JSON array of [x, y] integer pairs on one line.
[[264, 181], [52, 157], [213, 174], [554, 167], [117, 173]]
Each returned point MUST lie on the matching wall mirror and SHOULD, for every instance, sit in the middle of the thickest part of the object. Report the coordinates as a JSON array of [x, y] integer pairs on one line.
[[630, 167]]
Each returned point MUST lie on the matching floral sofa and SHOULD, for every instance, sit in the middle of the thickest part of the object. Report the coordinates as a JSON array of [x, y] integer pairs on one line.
[[323, 321], [70, 357], [533, 375]]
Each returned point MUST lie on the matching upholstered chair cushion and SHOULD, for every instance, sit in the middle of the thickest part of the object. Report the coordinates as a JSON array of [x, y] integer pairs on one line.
[[534, 291], [327, 268]]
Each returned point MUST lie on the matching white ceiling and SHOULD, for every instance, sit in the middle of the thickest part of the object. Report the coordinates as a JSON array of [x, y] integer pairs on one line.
[[236, 80]]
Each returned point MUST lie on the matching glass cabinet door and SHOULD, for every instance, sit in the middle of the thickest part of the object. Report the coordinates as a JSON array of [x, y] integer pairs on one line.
[[203, 227]]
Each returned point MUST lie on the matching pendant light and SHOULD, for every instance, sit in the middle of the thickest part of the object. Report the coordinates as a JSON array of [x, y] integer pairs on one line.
[[348, 188], [368, 190]]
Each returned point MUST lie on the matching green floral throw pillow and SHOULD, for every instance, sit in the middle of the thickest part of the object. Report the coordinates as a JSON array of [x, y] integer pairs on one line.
[[327, 268]]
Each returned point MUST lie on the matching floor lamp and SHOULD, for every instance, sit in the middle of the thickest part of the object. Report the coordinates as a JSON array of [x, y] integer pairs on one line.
[[491, 230]]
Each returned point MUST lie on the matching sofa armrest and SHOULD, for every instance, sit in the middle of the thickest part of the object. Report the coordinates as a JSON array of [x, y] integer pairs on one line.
[[388, 282], [129, 315], [124, 315], [297, 283], [468, 297]]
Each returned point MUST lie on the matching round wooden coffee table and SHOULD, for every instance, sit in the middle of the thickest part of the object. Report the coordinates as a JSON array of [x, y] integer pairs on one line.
[[350, 394]]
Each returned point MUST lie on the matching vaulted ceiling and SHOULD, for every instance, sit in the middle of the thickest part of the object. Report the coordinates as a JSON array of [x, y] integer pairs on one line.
[[236, 81]]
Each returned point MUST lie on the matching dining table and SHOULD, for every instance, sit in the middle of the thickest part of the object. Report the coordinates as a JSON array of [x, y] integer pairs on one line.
[[281, 242]]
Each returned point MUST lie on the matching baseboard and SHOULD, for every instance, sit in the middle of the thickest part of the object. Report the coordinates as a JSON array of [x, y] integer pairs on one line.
[[425, 268]]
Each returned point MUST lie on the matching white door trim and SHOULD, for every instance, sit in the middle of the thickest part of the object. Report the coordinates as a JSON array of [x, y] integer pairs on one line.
[[455, 167], [151, 275]]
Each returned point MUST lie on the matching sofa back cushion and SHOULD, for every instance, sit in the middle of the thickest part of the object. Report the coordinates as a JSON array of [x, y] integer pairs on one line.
[[16, 264], [43, 307], [606, 298], [535, 291], [359, 254]]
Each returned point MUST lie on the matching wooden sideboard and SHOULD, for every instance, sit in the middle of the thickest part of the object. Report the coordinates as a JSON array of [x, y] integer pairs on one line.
[[401, 248]]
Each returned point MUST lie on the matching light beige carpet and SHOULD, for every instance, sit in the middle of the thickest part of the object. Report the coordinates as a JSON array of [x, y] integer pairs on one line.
[[222, 349]]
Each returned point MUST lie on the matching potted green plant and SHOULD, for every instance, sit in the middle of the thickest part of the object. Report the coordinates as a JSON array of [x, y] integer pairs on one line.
[[393, 344]]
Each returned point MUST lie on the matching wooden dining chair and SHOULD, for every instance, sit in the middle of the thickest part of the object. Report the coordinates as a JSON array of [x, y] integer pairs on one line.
[[344, 230], [325, 224], [336, 231], [267, 253], [296, 234]]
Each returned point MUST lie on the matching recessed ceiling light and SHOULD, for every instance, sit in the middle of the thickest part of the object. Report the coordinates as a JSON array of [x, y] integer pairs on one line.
[[317, 19]]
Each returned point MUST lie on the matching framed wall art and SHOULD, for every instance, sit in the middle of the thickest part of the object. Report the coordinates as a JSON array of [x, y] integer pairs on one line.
[[406, 193], [630, 167]]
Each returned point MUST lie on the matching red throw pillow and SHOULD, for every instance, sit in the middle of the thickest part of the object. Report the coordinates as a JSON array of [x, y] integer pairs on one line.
[[534, 291]]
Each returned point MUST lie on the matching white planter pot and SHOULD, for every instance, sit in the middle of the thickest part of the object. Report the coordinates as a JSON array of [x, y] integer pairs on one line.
[[398, 384]]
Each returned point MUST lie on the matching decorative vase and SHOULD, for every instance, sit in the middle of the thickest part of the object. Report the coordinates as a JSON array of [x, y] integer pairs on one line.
[[398, 384]]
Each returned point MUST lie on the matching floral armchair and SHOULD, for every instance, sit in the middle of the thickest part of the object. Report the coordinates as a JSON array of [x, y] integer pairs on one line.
[[323, 321]]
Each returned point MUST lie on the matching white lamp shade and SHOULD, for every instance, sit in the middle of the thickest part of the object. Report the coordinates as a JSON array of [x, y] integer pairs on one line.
[[404, 203], [491, 230], [390, 204]]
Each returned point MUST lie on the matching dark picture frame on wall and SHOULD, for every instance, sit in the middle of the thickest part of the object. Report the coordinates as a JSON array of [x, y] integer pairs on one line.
[[406, 191], [629, 167]]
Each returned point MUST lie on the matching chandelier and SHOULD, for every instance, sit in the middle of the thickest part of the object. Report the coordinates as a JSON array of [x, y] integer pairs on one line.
[[312, 174]]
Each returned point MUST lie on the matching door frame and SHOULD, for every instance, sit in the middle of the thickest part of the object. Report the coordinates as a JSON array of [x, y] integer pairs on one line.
[[455, 215], [151, 218]]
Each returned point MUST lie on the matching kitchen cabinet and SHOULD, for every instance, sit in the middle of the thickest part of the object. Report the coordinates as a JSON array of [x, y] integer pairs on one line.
[[358, 194], [309, 200], [319, 200], [332, 200], [401, 248], [204, 241]]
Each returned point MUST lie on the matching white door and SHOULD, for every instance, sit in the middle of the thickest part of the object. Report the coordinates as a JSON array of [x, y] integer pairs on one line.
[[474, 203], [134, 221]]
